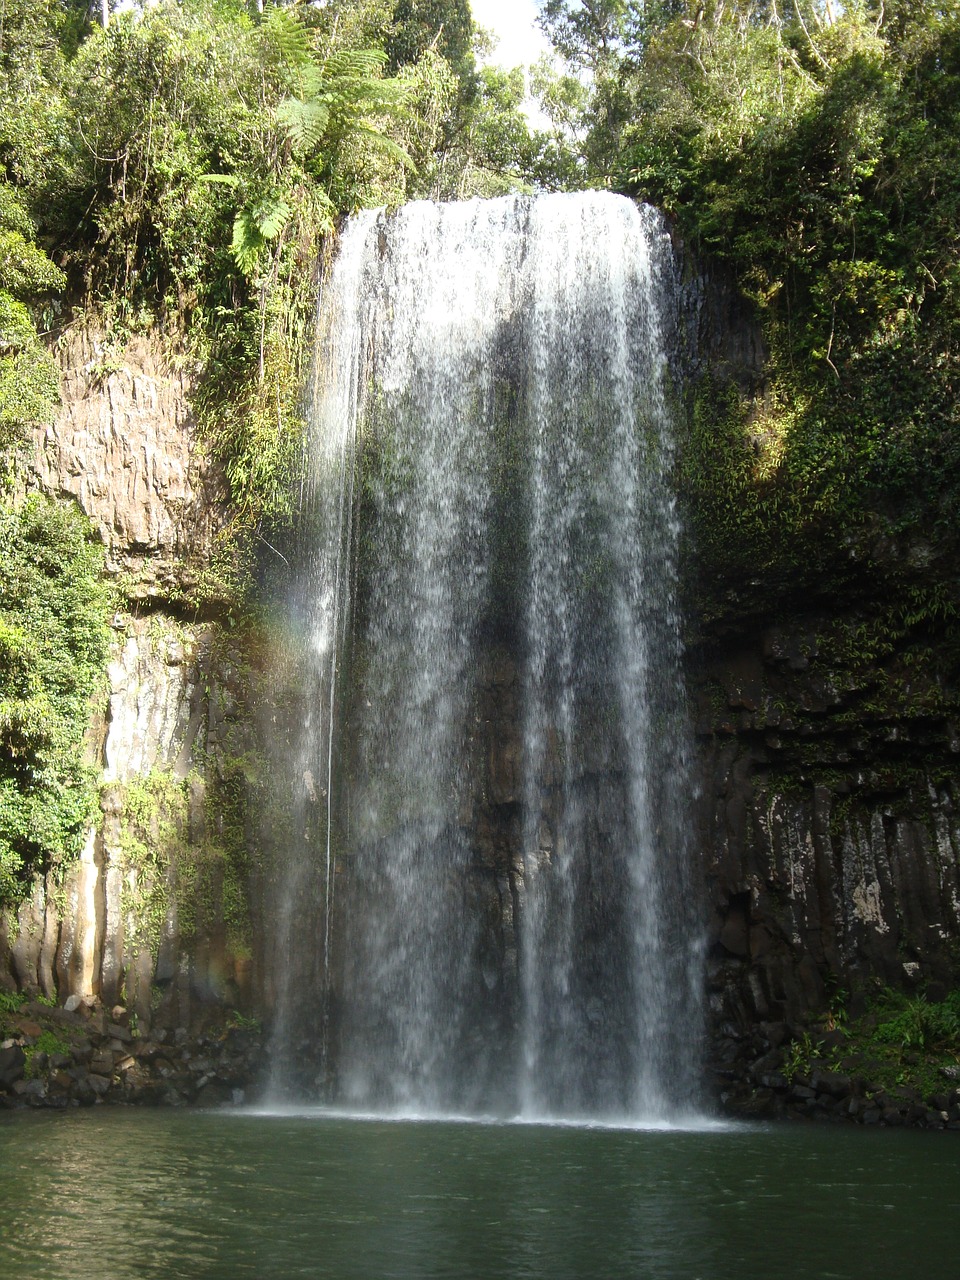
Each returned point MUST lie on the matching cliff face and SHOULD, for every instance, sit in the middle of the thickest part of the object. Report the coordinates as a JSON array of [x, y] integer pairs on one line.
[[827, 820], [152, 915], [826, 716], [824, 805], [125, 447]]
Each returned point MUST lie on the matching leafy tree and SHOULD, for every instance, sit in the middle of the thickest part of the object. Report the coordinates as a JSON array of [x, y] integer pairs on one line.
[[444, 26], [28, 376], [53, 648], [814, 149]]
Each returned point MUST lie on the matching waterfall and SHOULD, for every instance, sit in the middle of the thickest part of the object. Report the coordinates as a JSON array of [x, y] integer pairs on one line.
[[491, 419]]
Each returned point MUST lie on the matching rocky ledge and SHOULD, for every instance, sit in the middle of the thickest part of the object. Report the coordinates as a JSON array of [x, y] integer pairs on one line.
[[83, 1054], [776, 1073]]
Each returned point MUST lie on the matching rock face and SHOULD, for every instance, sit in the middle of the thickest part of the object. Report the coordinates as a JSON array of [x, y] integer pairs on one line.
[[152, 914], [828, 820], [88, 1055], [125, 447], [825, 805], [115, 927]]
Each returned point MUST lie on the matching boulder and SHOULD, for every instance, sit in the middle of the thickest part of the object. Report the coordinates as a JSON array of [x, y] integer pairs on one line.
[[13, 1063]]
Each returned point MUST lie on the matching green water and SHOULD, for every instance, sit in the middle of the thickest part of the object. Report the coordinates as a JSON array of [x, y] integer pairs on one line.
[[115, 1194]]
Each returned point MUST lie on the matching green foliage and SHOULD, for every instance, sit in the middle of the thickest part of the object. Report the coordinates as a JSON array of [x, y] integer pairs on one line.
[[47, 1043], [28, 378], [902, 1041], [11, 1001], [801, 1055], [815, 151], [241, 1022], [201, 153], [54, 606], [169, 858], [913, 1022]]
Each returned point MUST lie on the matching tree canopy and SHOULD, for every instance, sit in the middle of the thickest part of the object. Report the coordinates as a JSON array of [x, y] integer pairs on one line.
[[814, 148]]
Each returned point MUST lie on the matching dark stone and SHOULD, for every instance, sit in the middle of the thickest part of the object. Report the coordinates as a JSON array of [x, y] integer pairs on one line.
[[84, 1092], [773, 1080], [101, 1063], [215, 1094], [30, 1090], [775, 1033], [12, 1065], [82, 1051], [830, 1082]]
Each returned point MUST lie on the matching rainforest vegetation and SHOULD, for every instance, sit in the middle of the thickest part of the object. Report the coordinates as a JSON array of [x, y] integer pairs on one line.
[[181, 166]]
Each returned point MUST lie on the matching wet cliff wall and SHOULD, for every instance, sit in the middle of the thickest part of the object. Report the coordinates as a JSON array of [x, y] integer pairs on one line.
[[153, 914], [822, 665], [824, 713]]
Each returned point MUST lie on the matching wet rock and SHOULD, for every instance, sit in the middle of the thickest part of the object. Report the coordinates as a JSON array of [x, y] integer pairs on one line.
[[98, 1083], [30, 1090], [832, 1083], [215, 1093], [12, 1065], [101, 1063], [81, 1051], [84, 1092]]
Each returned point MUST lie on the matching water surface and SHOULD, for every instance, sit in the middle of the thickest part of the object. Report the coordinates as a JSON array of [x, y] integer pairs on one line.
[[120, 1194]]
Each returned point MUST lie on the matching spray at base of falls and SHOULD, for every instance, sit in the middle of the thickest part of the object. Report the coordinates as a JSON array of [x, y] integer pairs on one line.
[[493, 374]]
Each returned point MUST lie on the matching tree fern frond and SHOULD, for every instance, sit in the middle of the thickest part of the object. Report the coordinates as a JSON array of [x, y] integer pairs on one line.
[[285, 31], [247, 243], [271, 215], [354, 64], [384, 144], [324, 211], [303, 121]]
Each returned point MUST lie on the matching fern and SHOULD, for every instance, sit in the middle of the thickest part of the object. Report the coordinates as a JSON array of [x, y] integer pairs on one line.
[[355, 64], [247, 242], [384, 143], [271, 215], [254, 227], [304, 122], [286, 36]]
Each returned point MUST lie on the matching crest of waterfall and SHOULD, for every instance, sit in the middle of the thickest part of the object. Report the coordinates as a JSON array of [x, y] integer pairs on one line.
[[494, 372]]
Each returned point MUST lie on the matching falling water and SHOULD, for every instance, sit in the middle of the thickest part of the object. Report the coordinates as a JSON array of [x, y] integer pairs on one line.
[[303, 734], [609, 973], [501, 368]]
